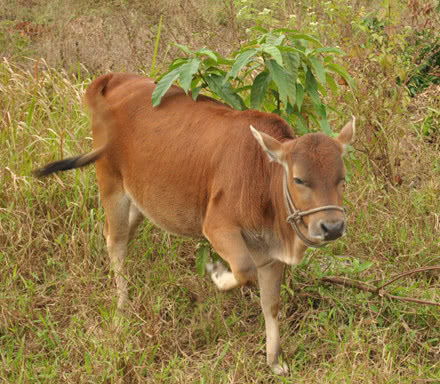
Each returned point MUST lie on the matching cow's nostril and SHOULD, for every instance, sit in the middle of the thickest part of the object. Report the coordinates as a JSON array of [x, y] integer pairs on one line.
[[332, 229], [324, 228]]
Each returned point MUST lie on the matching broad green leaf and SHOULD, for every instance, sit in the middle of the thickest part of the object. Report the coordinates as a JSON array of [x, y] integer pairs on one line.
[[195, 92], [224, 91], [224, 61], [335, 50], [249, 44], [300, 124], [195, 81], [283, 80], [250, 70], [323, 122], [177, 63], [216, 70], [274, 92], [274, 52], [292, 61], [207, 52], [319, 107], [261, 39], [163, 85], [341, 71], [275, 40], [319, 70], [285, 30], [186, 73], [184, 48], [243, 88], [283, 48], [202, 257], [299, 96], [321, 113], [331, 83], [259, 88], [312, 117], [259, 28], [303, 36], [312, 87], [207, 62], [241, 60]]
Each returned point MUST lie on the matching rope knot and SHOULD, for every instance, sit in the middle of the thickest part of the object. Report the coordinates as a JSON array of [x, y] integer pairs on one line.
[[295, 217]]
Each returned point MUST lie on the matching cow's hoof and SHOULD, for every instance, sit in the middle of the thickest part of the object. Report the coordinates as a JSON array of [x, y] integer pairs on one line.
[[280, 369], [215, 268]]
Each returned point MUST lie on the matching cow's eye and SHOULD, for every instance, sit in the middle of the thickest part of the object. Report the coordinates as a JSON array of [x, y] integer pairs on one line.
[[299, 181]]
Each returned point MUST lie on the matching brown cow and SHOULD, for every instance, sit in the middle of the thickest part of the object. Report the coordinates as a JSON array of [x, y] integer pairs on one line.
[[259, 195]]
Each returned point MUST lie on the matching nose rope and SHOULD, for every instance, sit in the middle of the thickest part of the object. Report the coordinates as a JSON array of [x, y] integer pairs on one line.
[[295, 216]]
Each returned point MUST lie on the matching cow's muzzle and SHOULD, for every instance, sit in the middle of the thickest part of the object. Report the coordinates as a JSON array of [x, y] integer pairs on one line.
[[331, 230]]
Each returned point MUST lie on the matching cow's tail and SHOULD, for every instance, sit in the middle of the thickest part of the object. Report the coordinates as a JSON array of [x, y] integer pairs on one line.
[[100, 110], [69, 163]]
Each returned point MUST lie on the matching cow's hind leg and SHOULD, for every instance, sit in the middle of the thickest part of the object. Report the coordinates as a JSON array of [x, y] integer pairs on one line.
[[135, 217], [117, 207]]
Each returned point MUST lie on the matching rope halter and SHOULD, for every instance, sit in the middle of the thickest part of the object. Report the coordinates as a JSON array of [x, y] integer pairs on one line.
[[295, 216]]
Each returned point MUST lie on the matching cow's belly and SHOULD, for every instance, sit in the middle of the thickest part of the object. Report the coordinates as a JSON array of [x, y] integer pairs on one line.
[[166, 173], [175, 213]]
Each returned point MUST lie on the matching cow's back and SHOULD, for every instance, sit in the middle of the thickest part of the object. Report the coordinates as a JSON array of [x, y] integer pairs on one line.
[[175, 158]]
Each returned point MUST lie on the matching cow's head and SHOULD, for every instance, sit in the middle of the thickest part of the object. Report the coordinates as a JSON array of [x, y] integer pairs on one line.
[[315, 177]]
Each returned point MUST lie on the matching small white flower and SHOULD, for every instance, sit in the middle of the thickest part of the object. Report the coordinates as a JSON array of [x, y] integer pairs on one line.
[[265, 11]]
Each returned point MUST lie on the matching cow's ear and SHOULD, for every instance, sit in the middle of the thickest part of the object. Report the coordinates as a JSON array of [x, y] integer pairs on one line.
[[271, 146], [346, 136]]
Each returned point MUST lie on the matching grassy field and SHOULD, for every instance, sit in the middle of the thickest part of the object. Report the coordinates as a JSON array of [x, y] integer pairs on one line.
[[57, 296]]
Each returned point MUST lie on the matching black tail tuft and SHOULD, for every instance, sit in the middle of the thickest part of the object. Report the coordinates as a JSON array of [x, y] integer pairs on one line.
[[56, 166]]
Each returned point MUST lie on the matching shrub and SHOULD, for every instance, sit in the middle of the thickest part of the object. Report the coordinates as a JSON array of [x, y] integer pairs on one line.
[[282, 71]]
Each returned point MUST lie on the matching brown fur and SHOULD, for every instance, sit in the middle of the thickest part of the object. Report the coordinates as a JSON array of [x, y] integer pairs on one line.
[[194, 168]]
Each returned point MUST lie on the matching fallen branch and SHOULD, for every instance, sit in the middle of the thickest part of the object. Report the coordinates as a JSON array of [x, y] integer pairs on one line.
[[400, 275], [380, 290]]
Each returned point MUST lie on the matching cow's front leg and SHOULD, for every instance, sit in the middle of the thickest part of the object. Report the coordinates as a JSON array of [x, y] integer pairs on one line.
[[269, 280], [222, 278], [229, 244]]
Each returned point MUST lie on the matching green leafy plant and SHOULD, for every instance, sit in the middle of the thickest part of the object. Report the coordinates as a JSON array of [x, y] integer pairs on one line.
[[430, 126], [428, 70], [282, 71], [202, 257], [411, 56]]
